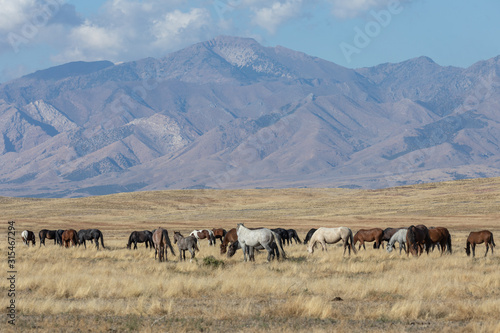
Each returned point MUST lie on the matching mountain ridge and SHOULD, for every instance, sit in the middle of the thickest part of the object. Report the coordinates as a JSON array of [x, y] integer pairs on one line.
[[231, 113]]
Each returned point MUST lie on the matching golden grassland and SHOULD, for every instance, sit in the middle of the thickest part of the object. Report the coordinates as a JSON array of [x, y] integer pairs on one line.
[[121, 290]]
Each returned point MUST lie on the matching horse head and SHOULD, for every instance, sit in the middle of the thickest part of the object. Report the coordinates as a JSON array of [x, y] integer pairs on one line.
[[389, 247]]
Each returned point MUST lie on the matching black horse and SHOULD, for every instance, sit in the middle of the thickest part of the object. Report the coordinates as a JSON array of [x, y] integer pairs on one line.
[[145, 236], [59, 236], [47, 234], [309, 235], [283, 234], [91, 235], [292, 235]]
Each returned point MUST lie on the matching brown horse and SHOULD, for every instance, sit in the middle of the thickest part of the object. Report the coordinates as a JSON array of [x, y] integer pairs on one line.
[[368, 235], [204, 234], [230, 237], [219, 233], [441, 236], [417, 238], [47, 234], [28, 236], [161, 242], [69, 235], [479, 237]]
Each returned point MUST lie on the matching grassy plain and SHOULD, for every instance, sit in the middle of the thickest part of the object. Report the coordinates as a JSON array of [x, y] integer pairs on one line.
[[121, 290]]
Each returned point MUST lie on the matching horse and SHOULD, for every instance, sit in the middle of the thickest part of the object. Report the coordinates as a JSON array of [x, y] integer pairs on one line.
[[90, 234], [47, 234], [400, 237], [202, 234], [440, 236], [331, 236], [309, 235], [69, 235], [230, 237], [219, 233], [236, 245], [184, 244], [292, 235], [161, 242], [28, 236], [368, 235], [253, 238], [58, 236], [388, 233], [135, 237], [417, 238], [479, 237], [283, 234]]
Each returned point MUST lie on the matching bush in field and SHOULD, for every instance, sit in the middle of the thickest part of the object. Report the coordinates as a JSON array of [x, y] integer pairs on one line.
[[211, 261]]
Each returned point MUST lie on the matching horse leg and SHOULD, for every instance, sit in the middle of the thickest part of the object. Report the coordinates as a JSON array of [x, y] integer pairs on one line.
[[323, 245], [487, 248], [473, 250]]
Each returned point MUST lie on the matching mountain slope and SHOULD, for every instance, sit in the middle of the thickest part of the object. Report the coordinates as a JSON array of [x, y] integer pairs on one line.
[[230, 113]]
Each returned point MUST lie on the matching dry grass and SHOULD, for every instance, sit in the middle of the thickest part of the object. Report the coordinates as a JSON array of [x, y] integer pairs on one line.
[[122, 290]]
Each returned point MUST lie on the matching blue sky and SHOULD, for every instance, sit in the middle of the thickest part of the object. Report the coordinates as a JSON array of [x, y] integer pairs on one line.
[[36, 34]]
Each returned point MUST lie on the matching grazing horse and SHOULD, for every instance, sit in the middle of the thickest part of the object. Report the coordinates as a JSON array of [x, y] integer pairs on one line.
[[58, 236], [368, 235], [161, 242], [91, 235], [283, 234], [309, 235], [400, 237], [28, 236], [479, 237], [135, 237], [331, 236], [417, 238], [69, 235], [388, 233], [253, 238], [47, 234], [219, 233], [236, 245], [230, 237], [292, 235], [184, 244], [440, 236], [202, 234]]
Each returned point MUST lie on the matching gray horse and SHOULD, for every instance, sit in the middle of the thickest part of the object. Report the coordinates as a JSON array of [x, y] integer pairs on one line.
[[253, 238], [400, 237], [185, 244]]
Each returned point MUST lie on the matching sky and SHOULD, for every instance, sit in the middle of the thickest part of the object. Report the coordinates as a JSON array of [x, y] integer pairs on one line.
[[37, 34]]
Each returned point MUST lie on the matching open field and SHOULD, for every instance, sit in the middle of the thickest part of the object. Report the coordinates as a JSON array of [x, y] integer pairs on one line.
[[121, 290]]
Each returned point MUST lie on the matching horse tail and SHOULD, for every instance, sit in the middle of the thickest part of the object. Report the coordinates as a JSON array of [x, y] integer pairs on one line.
[[351, 238], [102, 239], [167, 241], [277, 237], [492, 241], [448, 243]]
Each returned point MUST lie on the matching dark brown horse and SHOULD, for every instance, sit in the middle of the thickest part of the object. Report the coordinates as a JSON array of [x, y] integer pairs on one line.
[[161, 242], [230, 237], [69, 235], [417, 239], [441, 236], [28, 236], [368, 235], [479, 237], [219, 233], [47, 234]]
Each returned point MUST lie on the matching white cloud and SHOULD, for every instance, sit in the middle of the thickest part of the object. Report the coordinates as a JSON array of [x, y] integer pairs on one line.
[[279, 12], [14, 13], [353, 8], [176, 24]]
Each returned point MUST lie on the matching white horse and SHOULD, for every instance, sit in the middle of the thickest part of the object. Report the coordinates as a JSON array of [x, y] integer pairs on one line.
[[253, 238], [400, 237], [331, 236]]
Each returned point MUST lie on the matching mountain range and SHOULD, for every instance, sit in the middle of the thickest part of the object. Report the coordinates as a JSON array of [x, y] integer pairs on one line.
[[231, 113]]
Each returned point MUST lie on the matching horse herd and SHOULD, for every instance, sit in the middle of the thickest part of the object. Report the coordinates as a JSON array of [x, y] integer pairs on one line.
[[413, 239]]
